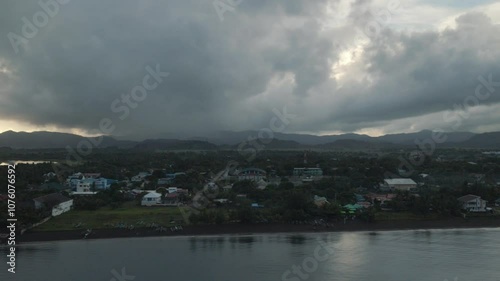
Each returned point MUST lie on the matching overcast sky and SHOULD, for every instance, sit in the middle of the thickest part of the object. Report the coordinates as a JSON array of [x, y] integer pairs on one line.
[[335, 65]]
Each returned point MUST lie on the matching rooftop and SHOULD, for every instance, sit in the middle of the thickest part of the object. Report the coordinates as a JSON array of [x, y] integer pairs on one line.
[[468, 198], [399, 181], [52, 199]]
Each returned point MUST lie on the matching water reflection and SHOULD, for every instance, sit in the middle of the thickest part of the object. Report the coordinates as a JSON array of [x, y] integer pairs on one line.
[[242, 239], [206, 243], [31, 248], [383, 256], [296, 239]]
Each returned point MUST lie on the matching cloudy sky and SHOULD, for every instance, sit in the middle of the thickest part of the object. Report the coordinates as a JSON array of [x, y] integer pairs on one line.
[[372, 67]]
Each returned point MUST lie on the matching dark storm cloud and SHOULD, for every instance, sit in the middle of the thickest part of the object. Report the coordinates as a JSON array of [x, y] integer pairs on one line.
[[421, 73], [229, 75]]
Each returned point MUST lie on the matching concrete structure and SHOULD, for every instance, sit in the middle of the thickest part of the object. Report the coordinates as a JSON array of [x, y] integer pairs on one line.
[[472, 203], [400, 184]]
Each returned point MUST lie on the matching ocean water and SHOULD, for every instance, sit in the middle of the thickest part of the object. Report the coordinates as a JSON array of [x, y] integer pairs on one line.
[[434, 255]]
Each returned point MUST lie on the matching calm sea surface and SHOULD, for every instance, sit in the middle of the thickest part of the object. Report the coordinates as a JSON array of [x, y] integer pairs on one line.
[[437, 255]]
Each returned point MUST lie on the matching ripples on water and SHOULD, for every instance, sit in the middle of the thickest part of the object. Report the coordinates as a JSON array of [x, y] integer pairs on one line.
[[438, 255]]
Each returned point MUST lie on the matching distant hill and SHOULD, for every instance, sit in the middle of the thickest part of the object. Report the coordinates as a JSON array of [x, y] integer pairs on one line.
[[485, 140], [38, 140], [231, 140], [356, 144], [265, 144], [409, 138], [173, 144]]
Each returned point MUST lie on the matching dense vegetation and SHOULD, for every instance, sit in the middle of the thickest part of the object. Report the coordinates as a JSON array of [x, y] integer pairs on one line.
[[346, 173]]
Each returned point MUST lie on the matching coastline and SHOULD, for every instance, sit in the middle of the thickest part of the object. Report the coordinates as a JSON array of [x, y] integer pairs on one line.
[[251, 229]]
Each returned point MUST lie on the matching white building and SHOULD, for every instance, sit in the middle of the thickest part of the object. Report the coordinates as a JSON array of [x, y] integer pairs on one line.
[[56, 202], [400, 184], [85, 185], [472, 203], [151, 199]]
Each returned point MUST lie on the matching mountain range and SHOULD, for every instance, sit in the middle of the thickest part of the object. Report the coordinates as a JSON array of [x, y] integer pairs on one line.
[[231, 140]]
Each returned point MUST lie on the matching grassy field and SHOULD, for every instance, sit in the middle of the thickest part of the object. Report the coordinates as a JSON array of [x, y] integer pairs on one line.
[[129, 214]]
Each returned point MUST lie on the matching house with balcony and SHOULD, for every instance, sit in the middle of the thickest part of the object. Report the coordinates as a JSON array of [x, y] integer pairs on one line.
[[472, 203]]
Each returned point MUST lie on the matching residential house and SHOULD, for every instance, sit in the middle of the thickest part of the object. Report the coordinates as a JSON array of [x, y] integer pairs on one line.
[[49, 176], [73, 180], [103, 183], [55, 202], [403, 184], [320, 201], [359, 198], [472, 203], [92, 184], [140, 177], [172, 199], [352, 208], [382, 198], [82, 181], [364, 204], [164, 181], [151, 199], [85, 185]]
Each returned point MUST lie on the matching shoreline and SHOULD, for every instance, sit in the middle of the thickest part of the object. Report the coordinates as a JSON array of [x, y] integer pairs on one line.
[[253, 229]]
